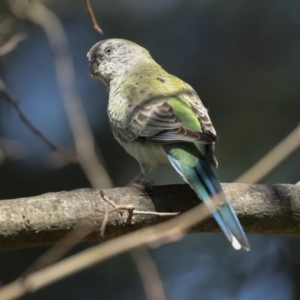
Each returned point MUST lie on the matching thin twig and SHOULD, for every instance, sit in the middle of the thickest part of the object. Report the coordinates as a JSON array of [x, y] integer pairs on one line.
[[131, 211], [155, 213], [272, 159], [103, 196], [69, 157], [149, 274], [92, 16], [12, 43], [104, 222], [137, 212]]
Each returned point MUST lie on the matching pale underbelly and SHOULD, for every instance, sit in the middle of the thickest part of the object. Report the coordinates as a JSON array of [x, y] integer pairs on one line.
[[146, 153]]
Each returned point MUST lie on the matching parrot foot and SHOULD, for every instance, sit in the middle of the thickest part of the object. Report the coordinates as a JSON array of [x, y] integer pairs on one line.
[[140, 183]]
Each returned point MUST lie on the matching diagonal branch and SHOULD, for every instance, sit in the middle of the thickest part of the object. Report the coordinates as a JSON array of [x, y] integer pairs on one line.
[[12, 43], [273, 159]]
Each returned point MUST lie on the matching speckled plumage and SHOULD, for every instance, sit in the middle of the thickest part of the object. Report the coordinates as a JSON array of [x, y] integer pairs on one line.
[[158, 118]]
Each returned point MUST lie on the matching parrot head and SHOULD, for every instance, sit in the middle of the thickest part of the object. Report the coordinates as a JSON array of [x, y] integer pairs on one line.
[[114, 57]]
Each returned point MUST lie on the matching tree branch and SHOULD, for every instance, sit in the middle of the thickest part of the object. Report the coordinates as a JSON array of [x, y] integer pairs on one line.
[[48, 218]]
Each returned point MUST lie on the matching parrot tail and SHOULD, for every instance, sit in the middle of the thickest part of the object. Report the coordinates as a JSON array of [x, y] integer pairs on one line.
[[206, 185]]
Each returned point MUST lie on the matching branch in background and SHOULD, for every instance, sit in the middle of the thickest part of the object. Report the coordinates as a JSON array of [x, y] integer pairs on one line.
[[69, 157], [40, 15], [92, 16], [12, 43], [47, 219], [149, 274], [273, 159], [9, 38]]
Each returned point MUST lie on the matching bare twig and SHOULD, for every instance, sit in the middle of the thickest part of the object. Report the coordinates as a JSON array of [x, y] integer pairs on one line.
[[149, 274], [131, 211], [37, 13], [69, 157], [92, 16], [272, 159], [103, 196], [155, 213], [12, 43], [104, 222]]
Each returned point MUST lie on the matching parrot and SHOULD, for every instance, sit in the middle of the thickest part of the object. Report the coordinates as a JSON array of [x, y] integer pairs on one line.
[[159, 118]]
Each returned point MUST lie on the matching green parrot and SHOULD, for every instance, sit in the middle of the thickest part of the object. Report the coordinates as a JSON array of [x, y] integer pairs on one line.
[[158, 118]]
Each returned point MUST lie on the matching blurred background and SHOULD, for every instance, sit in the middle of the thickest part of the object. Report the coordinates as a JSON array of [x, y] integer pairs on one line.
[[243, 59]]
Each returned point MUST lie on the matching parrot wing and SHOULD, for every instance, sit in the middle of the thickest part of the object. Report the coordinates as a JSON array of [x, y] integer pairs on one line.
[[160, 121]]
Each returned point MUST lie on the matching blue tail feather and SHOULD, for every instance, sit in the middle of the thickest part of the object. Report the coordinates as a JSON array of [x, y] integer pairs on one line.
[[205, 183]]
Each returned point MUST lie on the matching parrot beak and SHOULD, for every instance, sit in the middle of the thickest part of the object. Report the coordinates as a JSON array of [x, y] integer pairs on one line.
[[93, 65]]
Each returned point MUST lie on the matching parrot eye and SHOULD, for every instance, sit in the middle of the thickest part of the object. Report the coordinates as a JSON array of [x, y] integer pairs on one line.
[[108, 50]]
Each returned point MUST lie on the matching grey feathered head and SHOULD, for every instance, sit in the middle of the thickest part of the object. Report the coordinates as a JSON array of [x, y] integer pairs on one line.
[[114, 57]]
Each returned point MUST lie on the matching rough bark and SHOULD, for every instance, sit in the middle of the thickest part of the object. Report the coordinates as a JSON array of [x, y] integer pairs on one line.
[[47, 219]]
